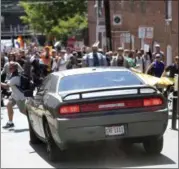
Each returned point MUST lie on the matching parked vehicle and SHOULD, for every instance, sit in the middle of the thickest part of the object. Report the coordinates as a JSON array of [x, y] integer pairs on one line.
[[95, 104]]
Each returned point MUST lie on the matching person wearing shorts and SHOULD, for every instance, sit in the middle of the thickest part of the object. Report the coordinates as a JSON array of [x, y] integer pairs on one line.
[[20, 104], [17, 97]]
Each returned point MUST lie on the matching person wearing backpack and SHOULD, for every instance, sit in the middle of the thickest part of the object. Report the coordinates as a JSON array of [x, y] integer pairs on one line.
[[17, 97], [5, 76]]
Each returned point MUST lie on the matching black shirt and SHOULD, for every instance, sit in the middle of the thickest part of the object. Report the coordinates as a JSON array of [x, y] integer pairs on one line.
[[120, 61], [172, 69], [21, 62]]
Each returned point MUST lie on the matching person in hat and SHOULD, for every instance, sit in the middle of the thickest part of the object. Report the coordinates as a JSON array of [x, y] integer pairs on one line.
[[126, 52], [156, 68], [140, 61], [94, 59], [17, 97], [62, 60], [72, 63], [158, 51], [119, 59], [109, 57], [55, 58], [172, 69]]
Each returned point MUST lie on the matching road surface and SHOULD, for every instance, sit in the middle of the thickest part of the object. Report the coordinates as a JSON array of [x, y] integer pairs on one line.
[[16, 152]]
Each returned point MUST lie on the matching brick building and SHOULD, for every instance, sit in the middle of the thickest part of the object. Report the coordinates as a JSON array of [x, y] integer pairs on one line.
[[133, 14]]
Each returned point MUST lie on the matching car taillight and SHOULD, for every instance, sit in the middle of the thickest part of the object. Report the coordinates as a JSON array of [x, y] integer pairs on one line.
[[152, 102], [110, 105], [69, 109]]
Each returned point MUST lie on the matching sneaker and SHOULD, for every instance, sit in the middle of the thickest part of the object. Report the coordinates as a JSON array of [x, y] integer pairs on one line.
[[8, 125]]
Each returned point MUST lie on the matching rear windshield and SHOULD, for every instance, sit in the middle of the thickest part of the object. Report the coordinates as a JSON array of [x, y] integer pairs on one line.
[[98, 80]]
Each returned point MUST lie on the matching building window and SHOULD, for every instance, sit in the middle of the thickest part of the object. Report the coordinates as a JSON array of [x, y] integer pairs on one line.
[[168, 5], [142, 5]]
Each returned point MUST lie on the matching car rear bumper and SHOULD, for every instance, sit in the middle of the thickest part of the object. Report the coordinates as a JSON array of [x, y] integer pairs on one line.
[[93, 128]]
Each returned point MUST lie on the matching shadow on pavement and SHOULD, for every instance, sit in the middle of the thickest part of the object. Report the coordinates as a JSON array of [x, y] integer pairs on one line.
[[105, 156], [18, 130]]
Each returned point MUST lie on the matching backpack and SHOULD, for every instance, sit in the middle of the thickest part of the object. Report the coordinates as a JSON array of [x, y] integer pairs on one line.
[[26, 85]]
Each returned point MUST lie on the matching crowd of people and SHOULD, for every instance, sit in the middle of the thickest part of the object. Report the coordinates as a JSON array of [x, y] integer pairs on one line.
[[36, 63]]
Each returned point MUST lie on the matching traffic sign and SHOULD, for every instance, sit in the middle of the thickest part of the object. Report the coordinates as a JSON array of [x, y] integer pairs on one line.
[[141, 32], [149, 32], [145, 32]]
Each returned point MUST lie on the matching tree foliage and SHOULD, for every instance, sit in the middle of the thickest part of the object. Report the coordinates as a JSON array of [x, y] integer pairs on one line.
[[57, 17], [71, 26]]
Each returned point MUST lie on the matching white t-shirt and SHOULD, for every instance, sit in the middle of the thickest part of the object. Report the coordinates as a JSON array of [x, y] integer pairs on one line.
[[139, 63], [67, 56], [16, 93], [62, 64]]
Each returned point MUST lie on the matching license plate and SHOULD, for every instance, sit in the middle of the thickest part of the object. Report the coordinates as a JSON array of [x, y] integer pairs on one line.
[[115, 130]]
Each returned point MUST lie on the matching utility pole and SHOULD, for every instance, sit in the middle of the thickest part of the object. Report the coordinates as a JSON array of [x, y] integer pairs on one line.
[[13, 44], [97, 19], [108, 25]]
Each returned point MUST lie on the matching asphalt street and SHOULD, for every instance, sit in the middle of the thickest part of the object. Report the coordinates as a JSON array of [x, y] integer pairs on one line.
[[16, 152]]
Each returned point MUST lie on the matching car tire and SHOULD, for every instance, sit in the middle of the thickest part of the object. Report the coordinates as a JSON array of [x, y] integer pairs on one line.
[[33, 138], [51, 147], [153, 145]]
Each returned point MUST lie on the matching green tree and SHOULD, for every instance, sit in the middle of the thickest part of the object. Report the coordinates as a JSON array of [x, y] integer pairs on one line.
[[57, 17], [70, 27]]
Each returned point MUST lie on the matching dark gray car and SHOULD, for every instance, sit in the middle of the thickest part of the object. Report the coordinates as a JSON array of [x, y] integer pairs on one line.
[[95, 104]]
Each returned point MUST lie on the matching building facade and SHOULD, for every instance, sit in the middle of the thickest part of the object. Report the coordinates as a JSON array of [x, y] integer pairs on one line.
[[157, 20], [11, 24]]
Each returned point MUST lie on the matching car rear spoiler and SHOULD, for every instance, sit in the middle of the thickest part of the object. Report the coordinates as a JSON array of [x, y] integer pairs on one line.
[[138, 88]]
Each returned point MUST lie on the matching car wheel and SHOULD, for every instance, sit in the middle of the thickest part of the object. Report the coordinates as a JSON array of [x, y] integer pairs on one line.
[[33, 138], [51, 147], [153, 145]]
